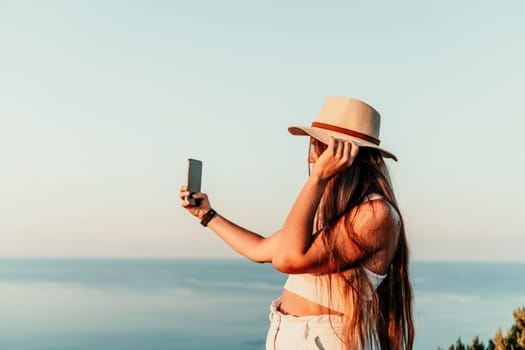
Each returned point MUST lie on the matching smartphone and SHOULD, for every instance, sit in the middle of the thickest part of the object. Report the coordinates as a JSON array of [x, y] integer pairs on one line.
[[194, 180]]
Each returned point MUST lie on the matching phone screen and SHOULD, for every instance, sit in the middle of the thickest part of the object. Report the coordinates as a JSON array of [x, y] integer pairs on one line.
[[194, 178]]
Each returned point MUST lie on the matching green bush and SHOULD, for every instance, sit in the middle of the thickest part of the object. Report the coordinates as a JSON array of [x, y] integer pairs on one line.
[[514, 340]]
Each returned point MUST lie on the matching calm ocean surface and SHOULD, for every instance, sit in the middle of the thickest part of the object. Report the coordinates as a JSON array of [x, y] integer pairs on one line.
[[80, 304]]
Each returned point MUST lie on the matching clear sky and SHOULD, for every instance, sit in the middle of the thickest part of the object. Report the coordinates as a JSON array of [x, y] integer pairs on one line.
[[102, 102]]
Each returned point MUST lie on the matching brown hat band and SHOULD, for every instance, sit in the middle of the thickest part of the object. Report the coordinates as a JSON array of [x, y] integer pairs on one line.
[[346, 131]]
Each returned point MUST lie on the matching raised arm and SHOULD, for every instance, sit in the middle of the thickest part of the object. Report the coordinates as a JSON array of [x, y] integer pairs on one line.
[[297, 251], [247, 243], [293, 249]]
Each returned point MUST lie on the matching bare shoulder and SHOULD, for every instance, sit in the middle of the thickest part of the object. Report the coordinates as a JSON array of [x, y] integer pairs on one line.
[[376, 223]]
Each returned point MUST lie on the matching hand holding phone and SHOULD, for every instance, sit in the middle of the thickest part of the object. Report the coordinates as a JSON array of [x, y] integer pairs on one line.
[[194, 180]]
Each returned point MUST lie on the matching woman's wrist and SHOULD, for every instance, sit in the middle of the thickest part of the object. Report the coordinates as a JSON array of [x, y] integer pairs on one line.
[[318, 179], [206, 218]]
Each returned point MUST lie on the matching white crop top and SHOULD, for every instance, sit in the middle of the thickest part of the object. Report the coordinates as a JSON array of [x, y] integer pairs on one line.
[[314, 287]]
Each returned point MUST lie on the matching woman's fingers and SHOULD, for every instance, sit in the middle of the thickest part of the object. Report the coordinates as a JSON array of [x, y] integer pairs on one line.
[[342, 149], [347, 146], [199, 195], [203, 197], [350, 152], [353, 151], [333, 147], [338, 150], [339, 155], [184, 194]]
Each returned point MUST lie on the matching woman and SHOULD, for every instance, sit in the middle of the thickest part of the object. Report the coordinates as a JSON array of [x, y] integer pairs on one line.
[[343, 243]]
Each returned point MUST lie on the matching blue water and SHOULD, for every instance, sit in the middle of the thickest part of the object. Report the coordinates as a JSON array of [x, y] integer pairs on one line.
[[80, 304]]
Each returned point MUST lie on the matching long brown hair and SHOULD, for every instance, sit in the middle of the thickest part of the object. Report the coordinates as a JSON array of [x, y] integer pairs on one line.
[[383, 320]]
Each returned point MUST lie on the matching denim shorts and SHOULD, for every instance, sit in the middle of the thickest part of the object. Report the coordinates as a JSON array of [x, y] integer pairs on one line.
[[289, 332]]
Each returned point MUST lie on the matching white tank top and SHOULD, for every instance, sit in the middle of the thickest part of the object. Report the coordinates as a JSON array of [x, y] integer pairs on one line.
[[314, 287]]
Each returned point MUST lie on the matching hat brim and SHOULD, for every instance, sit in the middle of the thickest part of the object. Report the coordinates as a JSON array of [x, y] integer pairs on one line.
[[324, 136]]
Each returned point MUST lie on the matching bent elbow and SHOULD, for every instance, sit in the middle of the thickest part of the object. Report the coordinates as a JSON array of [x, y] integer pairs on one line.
[[286, 264], [259, 260]]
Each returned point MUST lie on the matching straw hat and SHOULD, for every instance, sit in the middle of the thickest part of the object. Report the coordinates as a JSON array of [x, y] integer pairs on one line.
[[348, 119]]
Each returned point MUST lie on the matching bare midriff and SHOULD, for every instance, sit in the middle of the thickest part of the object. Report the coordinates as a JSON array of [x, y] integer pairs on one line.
[[293, 304]]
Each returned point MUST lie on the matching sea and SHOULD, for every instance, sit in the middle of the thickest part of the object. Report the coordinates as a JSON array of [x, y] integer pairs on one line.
[[161, 304]]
